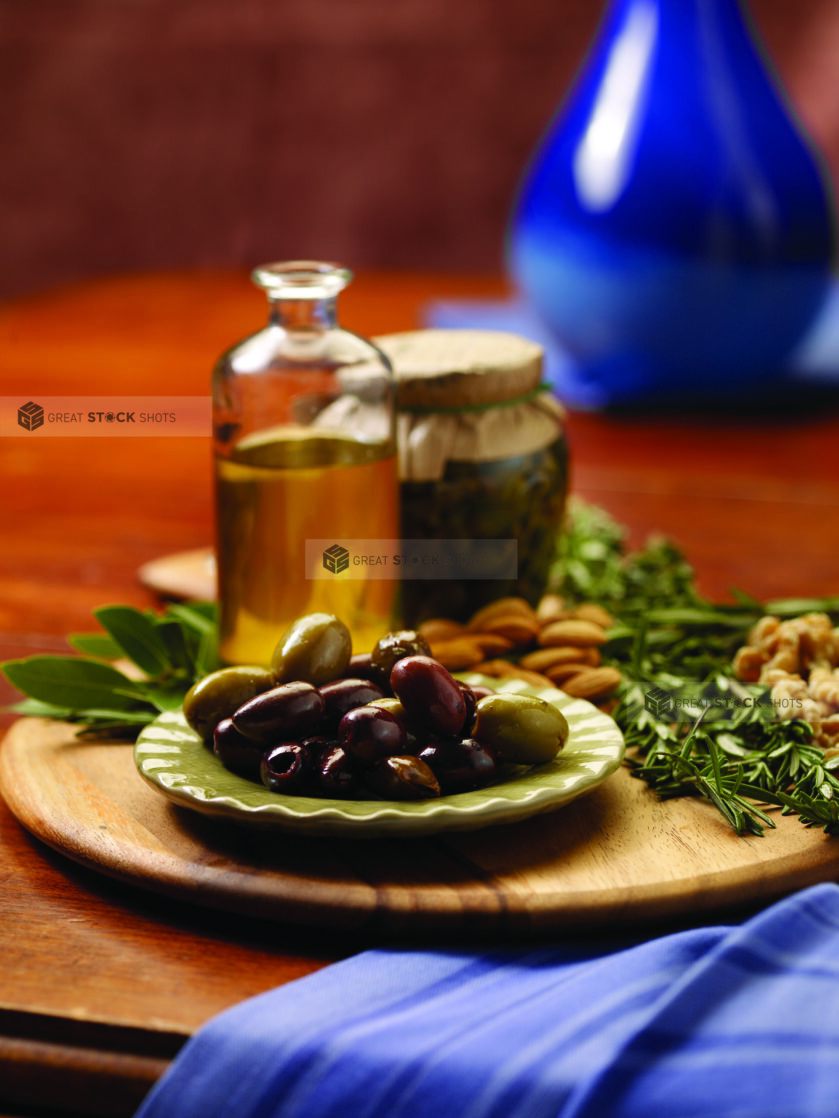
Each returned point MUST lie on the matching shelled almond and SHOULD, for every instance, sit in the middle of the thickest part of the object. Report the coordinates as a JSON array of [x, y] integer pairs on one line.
[[573, 632], [594, 684], [552, 608], [553, 645], [501, 607], [543, 659], [439, 629]]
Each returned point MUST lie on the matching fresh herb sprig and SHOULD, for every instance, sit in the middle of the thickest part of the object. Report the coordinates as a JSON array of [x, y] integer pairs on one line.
[[668, 639], [164, 654]]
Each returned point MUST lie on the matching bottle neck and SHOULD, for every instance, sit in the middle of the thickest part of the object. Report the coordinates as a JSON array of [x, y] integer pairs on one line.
[[304, 314]]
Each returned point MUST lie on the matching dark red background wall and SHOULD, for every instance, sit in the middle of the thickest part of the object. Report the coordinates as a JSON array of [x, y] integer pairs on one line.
[[384, 133]]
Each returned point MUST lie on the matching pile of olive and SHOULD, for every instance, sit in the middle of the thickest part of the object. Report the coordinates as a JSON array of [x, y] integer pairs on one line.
[[393, 723]]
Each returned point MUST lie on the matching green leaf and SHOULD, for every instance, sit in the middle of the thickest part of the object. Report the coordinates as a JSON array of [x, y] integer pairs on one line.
[[207, 610], [731, 745], [704, 618], [137, 636], [193, 616], [172, 636], [164, 698], [793, 607], [73, 682], [107, 728], [34, 708], [95, 644], [206, 657], [121, 717], [742, 598]]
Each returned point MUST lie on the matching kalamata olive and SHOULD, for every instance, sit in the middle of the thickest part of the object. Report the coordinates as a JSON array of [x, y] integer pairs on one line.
[[218, 695], [430, 695], [471, 701], [368, 733], [236, 752], [286, 713], [318, 745], [345, 694], [337, 775], [402, 778], [361, 667], [460, 766], [286, 768], [414, 737], [521, 728], [315, 649], [396, 646]]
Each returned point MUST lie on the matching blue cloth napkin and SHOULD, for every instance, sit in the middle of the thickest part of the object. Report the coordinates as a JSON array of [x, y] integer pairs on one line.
[[715, 1022]]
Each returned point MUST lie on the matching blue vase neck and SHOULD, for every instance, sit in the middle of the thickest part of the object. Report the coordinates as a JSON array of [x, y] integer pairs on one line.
[[702, 21]]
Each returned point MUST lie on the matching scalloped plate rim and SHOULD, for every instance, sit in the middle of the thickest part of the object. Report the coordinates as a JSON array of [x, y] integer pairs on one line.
[[374, 818]]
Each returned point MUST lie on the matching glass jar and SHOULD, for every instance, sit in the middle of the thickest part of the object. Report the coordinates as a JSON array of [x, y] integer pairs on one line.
[[305, 458], [483, 459]]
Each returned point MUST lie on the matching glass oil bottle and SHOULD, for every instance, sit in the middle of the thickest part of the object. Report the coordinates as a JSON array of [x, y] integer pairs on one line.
[[304, 450]]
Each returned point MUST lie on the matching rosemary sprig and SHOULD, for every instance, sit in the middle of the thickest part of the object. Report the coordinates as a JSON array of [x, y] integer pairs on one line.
[[711, 735]]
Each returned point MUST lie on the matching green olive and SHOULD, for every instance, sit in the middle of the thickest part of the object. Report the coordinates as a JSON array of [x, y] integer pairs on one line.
[[315, 649], [394, 646], [218, 695], [521, 729], [393, 706]]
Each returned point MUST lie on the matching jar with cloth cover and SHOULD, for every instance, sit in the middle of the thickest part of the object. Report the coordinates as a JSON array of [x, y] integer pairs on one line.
[[483, 466]]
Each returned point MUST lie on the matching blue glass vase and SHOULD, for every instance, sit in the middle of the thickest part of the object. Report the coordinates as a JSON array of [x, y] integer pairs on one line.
[[674, 229]]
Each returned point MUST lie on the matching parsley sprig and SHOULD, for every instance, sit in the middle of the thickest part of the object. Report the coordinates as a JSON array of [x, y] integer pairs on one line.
[[735, 751]]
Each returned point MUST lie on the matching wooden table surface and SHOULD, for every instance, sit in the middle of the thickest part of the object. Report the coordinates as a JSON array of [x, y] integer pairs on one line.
[[101, 984]]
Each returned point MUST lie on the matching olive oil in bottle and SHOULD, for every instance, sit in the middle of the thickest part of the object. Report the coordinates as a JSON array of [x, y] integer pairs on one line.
[[304, 451]]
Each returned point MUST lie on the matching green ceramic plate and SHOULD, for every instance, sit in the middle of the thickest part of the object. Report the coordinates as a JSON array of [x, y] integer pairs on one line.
[[171, 757]]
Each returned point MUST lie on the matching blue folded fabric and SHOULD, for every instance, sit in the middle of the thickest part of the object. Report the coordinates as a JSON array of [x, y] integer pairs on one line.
[[813, 368], [715, 1022]]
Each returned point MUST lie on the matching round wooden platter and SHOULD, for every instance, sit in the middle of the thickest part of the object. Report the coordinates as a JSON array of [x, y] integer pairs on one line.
[[614, 857], [186, 574]]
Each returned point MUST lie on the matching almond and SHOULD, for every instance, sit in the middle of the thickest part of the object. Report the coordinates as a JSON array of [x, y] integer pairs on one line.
[[551, 608], [575, 632], [499, 669], [458, 653], [594, 684], [491, 644], [501, 607], [591, 611], [535, 679], [559, 673], [543, 658], [517, 628], [440, 629]]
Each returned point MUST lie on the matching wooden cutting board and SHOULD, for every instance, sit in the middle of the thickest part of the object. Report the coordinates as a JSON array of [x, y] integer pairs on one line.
[[186, 574], [612, 858]]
